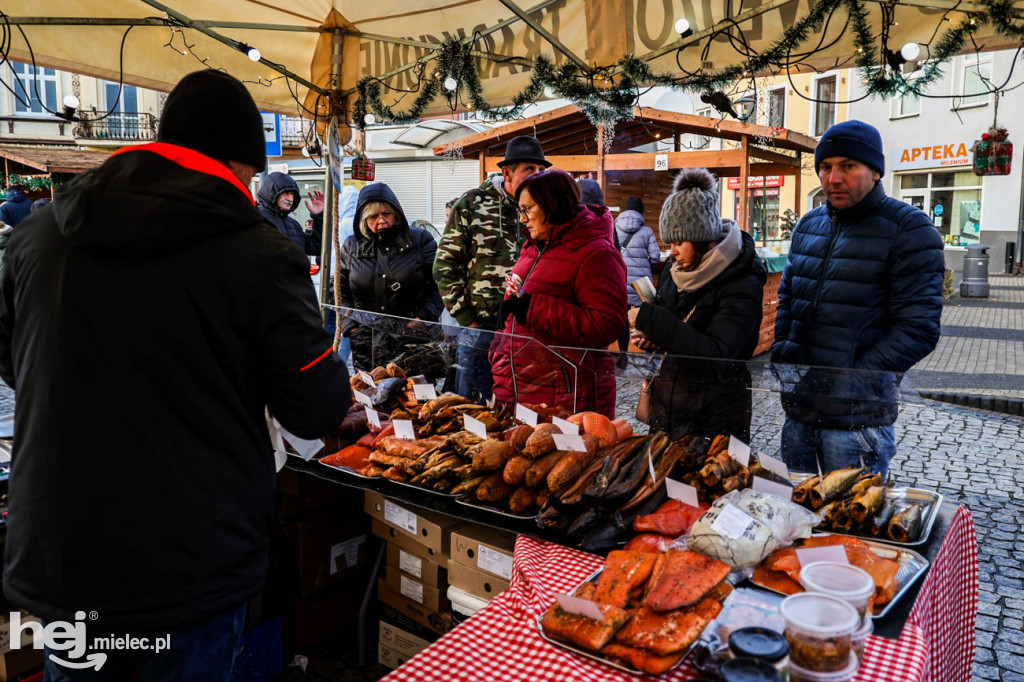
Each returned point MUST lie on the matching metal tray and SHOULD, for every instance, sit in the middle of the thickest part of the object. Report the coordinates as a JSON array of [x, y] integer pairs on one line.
[[912, 567], [929, 498], [348, 471], [469, 500], [598, 657], [412, 486]]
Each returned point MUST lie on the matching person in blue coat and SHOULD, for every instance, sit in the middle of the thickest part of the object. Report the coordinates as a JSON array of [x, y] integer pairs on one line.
[[278, 198], [861, 293], [640, 252], [16, 207]]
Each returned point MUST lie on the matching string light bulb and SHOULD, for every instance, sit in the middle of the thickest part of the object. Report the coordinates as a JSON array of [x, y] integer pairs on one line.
[[249, 51], [71, 102], [450, 84], [369, 119], [683, 28], [548, 92], [911, 51]]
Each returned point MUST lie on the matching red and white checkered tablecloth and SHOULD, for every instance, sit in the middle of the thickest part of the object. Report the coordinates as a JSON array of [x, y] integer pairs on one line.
[[501, 641]]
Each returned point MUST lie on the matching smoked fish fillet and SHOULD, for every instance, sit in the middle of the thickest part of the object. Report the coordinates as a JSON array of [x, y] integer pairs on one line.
[[685, 578], [584, 632], [623, 573]]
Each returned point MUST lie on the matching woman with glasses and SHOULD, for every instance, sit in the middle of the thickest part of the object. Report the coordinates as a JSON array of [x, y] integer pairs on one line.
[[565, 302], [386, 268]]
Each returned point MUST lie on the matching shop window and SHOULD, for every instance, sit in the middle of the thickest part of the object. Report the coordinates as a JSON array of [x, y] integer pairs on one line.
[[777, 107], [762, 213], [818, 198], [951, 199], [825, 105], [974, 84], [35, 89]]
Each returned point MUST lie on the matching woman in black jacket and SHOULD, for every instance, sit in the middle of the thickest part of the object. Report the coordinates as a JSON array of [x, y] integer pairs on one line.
[[709, 305], [386, 268]]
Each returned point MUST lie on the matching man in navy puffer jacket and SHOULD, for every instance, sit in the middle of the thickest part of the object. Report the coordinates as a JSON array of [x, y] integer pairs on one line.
[[862, 290]]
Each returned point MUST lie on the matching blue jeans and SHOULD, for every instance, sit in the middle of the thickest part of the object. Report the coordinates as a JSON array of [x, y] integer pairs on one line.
[[473, 378], [203, 652], [804, 446]]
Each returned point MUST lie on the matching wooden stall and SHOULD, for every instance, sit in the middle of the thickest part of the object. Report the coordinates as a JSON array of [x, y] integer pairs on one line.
[[574, 144]]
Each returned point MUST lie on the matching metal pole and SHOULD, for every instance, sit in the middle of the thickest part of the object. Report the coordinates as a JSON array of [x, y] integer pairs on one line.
[[330, 224]]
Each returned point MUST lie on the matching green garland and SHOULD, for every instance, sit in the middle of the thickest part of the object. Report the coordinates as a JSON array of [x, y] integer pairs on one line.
[[32, 183], [607, 95]]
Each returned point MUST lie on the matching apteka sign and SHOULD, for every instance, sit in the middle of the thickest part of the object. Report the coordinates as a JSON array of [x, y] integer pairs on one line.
[[937, 155]]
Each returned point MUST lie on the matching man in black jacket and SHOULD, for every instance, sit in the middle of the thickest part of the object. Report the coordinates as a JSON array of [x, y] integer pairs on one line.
[[277, 200], [861, 293], [147, 319]]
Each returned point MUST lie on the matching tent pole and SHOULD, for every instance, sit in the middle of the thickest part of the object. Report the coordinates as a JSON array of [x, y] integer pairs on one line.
[[330, 223]]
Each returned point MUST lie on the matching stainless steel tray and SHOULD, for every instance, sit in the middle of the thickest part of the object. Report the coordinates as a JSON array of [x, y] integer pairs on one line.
[[469, 500], [348, 471], [421, 488], [598, 657], [930, 499], [912, 567]]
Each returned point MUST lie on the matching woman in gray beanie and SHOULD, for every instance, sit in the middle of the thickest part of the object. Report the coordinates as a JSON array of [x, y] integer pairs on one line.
[[708, 306]]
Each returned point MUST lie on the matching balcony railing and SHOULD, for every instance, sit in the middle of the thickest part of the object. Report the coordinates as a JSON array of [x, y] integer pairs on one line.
[[121, 126]]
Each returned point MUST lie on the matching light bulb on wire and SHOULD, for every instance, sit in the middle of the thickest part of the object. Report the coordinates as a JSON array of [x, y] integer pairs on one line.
[[369, 119], [71, 102], [250, 52], [683, 28], [450, 84], [911, 51], [548, 92]]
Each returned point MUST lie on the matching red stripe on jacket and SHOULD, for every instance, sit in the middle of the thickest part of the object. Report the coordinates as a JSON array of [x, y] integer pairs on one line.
[[191, 159], [324, 355]]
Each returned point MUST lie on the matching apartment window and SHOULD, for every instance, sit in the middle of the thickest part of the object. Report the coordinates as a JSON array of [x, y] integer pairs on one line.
[[974, 84], [825, 107], [127, 103], [777, 107], [35, 89]]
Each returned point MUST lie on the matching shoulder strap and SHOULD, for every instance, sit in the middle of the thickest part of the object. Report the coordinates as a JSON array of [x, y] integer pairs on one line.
[[382, 261], [623, 245]]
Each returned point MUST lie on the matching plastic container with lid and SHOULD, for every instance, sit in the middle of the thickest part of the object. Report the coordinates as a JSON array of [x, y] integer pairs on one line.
[[853, 585], [798, 674], [859, 639], [763, 644], [819, 631], [748, 670]]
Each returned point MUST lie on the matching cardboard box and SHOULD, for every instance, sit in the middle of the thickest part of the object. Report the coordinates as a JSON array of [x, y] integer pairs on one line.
[[27, 632], [433, 598], [399, 640], [389, 614], [477, 583], [417, 566], [391, 657], [329, 547], [407, 542], [428, 528], [17, 662], [484, 549], [439, 622]]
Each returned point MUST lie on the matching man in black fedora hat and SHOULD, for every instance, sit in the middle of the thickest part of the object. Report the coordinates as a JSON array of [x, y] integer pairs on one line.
[[480, 244]]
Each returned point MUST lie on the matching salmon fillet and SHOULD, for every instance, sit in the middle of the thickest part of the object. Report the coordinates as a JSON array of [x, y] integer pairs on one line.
[[584, 632], [685, 579], [642, 659], [662, 633], [623, 572]]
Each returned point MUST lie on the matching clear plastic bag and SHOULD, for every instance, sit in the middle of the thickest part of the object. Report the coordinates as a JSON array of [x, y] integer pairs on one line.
[[745, 526]]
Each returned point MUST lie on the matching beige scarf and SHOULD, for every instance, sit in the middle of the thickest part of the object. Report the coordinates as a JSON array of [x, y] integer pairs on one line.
[[715, 261]]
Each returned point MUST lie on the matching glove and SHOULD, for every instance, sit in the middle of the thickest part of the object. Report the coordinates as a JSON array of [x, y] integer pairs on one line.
[[516, 305]]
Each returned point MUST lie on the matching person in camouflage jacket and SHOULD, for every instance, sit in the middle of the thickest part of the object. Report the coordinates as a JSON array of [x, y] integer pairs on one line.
[[480, 244]]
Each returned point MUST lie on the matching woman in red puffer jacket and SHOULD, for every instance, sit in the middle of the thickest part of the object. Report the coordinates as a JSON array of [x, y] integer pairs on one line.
[[565, 304]]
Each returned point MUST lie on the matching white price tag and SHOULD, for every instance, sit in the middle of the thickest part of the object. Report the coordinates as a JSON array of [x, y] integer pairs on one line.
[[732, 522], [412, 589], [399, 516], [424, 391], [776, 466], [739, 451], [495, 562], [367, 379], [564, 441], [475, 426], [305, 448], [404, 429], [812, 555], [372, 417], [566, 427], [686, 494], [661, 162], [362, 398], [581, 607], [526, 415], [349, 550], [410, 563], [764, 485]]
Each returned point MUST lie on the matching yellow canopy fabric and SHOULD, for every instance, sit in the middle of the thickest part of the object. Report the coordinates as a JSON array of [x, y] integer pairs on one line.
[[297, 35]]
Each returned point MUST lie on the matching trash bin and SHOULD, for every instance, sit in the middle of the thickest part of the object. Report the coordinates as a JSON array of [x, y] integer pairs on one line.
[[975, 283]]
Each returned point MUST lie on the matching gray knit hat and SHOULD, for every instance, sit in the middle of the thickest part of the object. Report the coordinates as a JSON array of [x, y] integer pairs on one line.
[[692, 213]]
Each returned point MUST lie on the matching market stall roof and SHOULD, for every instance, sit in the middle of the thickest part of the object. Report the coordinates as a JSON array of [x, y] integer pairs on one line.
[[153, 44], [45, 160], [568, 131], [425, 132]]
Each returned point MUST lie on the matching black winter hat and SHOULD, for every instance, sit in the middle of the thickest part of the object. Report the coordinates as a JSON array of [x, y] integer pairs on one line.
[[635, 204], [855, 140], [212, 113], [590, 192], [524, 148]]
